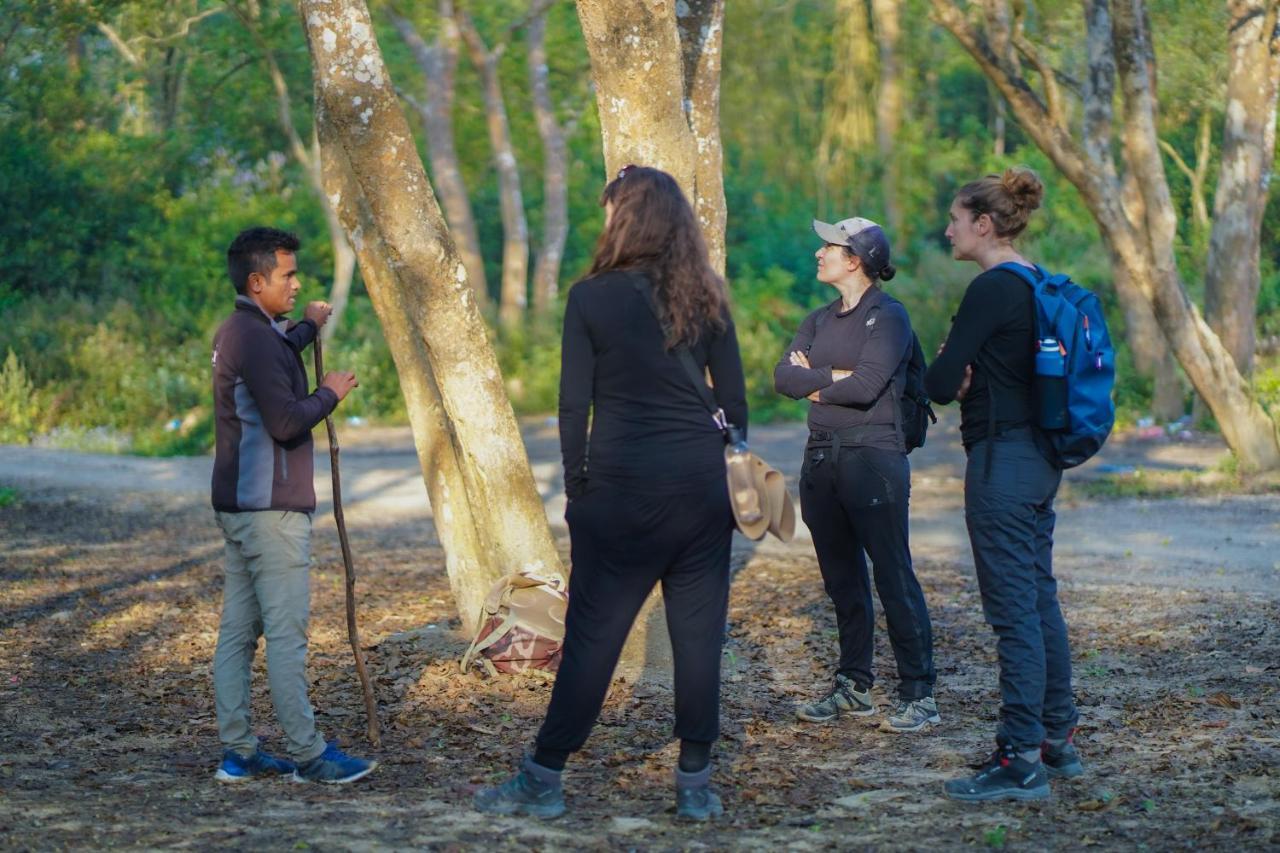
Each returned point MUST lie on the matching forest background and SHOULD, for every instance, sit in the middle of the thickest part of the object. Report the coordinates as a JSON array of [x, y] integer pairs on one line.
[[137, 138]]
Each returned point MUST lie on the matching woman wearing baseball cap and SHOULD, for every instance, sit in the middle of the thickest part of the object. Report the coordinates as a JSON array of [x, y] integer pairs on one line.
[[849, 359]]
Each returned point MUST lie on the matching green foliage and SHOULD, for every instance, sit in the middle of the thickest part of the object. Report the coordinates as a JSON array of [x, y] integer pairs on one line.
[[19, 403], [530, 364], [767, 312], [8, 496], [1266, 385], [125, 181]]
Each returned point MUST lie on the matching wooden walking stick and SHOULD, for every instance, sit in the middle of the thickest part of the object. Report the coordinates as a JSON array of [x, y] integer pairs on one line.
[[370, 706]]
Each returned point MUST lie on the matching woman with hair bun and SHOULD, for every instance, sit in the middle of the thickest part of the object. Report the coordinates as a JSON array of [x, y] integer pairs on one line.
[[988, 364], [849, 359]]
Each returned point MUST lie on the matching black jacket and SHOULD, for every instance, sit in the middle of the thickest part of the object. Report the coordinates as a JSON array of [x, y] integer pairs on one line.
[[873, 339], [263, 413]]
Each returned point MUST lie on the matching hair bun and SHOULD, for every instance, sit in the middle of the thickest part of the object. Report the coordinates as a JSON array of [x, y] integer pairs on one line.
[[1023, 186], [888, 272]]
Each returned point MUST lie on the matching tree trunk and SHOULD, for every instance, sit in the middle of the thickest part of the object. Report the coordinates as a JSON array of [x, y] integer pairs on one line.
[[555, 172], [438, 63], [1250, 433], [636, 64], [700, 27], [1144, 246], [469, 567], [886, 20], [639, 66], [848, 116], [364, 122], [515, 228], [1232, 271]]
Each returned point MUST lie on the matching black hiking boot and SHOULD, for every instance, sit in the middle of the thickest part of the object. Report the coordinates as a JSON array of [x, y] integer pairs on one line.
[[1005, 776], [694, 798], [1061, 761], [534, 790]]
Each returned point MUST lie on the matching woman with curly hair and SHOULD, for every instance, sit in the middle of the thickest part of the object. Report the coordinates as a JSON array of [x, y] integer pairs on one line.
[[988, 364], [646, 488]]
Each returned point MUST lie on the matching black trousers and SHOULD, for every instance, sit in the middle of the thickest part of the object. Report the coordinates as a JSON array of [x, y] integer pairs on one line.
[[622, 543], [854, 501]]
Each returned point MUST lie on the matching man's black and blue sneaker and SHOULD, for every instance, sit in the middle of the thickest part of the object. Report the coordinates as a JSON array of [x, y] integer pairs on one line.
[[334, 767], [1005, 776], [237, 768]]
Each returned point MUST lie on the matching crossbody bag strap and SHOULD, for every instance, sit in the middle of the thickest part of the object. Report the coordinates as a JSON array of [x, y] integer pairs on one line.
[[685, 358]]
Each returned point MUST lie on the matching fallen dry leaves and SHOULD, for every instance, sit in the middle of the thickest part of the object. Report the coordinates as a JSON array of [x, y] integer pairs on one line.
[[108, 737]]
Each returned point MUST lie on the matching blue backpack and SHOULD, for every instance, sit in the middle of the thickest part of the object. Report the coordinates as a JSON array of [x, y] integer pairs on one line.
[[1075, 367]]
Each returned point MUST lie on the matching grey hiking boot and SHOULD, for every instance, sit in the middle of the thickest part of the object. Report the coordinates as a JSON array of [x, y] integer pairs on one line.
[[1004, 776], [534, 790], [694, 798], [843, 698], [1060, 760], [912, 715]]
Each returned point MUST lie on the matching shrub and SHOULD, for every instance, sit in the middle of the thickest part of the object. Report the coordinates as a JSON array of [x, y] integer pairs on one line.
[[19, 404]]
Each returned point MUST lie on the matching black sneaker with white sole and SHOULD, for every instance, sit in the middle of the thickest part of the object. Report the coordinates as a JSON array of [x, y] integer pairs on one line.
[[1005, 776], [844, 697]]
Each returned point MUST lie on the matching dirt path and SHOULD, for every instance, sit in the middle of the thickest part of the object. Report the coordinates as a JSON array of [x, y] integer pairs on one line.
[[1227, 542], [110, 579]]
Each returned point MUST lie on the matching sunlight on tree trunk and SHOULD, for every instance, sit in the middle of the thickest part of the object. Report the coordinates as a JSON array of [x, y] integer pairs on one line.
[[1233, 271], [409, 239], [700, 27], [471, 572]]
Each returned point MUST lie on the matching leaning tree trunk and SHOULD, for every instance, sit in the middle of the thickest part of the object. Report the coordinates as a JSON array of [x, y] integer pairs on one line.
[[468, 563], [409, 238], [515, 228], [1143, 237], [555, 171], [1247, 428], [1232, 270], [439, 63]]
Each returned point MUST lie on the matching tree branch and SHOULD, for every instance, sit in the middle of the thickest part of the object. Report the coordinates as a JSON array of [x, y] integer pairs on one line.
[[1052, 95], [120, 44], [1052, 138]]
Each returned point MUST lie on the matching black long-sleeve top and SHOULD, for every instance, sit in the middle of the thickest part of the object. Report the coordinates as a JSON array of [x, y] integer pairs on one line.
[[650, 431], [993, 331], [873, 339]]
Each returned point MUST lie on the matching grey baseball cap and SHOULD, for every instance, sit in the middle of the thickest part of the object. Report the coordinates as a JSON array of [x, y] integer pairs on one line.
[[864, 237]]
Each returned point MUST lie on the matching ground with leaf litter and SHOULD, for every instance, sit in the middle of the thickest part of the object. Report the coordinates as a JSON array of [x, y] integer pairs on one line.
[[107, 734]]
